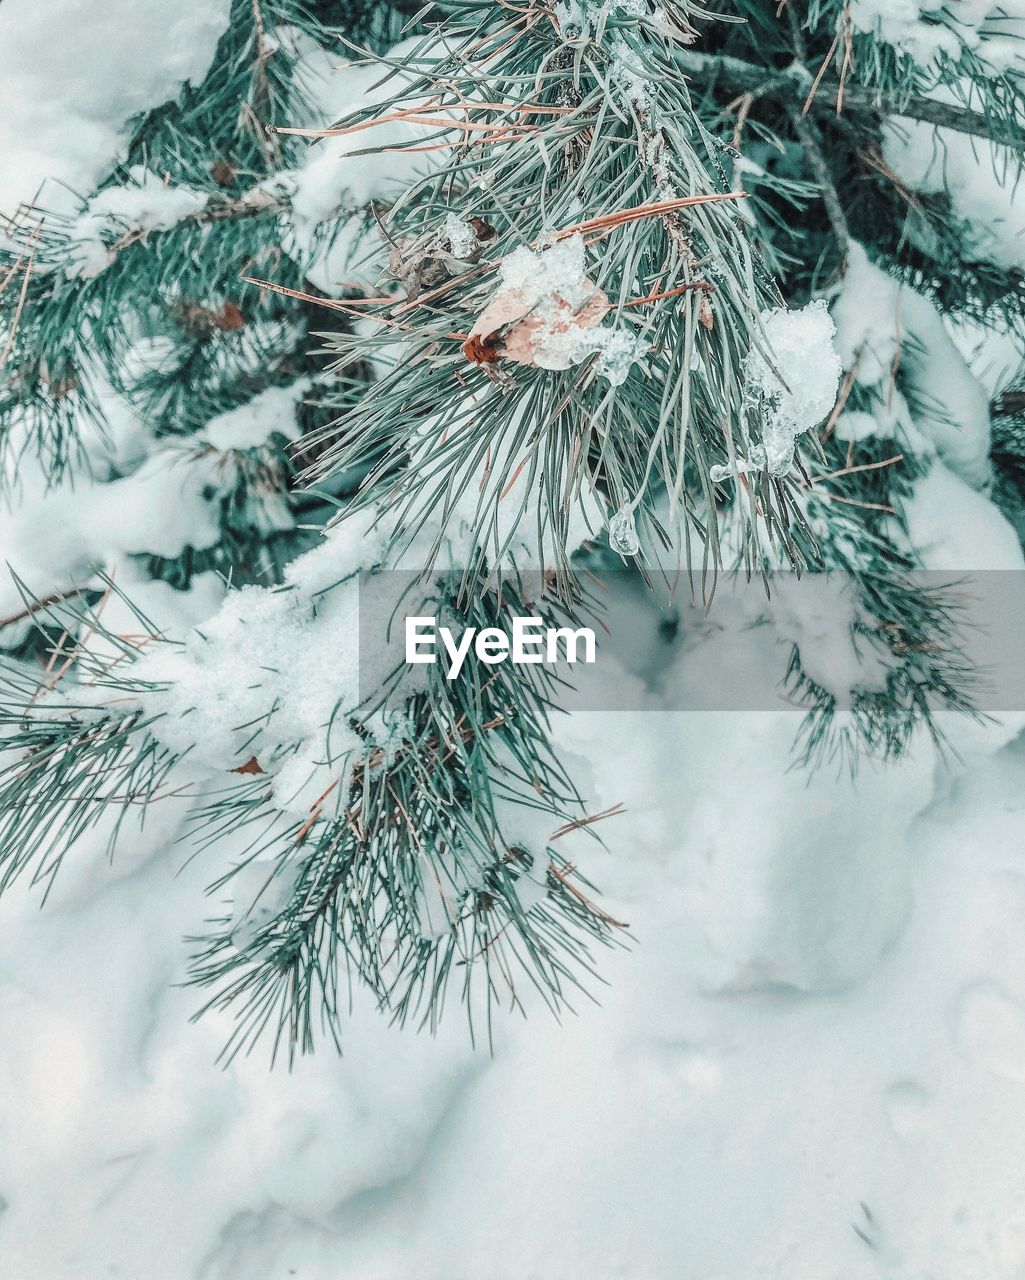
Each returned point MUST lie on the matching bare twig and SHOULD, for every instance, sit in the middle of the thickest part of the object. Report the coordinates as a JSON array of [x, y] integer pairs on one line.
[[739, 77], [811, 140]]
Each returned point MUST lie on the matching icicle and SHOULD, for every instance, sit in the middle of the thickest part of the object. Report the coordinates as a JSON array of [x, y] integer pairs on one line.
[[623, 533]]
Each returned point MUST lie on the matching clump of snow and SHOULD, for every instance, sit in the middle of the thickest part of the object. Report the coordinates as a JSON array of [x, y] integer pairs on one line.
[[555, 311], [59, 539], [72, 75], [270, 670], [820, 614], [854, 426], [272, 412], [931, 30], [953, 528], [795, 381], [144, 204], [981, 180], [141, 605], [168, 504], [556, 271], [60, 536], [559, 347], [333, 183], [899, 22], [360, 541], [617, 352], [995, 357], [957, 533], [274, 672], [883, 329]]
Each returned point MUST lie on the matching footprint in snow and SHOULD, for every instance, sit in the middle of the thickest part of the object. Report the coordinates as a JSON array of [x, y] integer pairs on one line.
[[908, 1109]]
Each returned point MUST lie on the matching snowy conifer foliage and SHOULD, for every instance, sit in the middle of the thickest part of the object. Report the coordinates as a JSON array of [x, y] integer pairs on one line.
[[693, 329], [565, 287]]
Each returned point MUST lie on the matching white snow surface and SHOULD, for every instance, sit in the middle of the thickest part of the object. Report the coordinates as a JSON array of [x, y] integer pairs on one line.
[[825, 995], [983, 183], [885, 329], [72, 74]]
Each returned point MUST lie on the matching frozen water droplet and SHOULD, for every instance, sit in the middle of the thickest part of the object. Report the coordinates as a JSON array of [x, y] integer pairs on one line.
[[623, 533]]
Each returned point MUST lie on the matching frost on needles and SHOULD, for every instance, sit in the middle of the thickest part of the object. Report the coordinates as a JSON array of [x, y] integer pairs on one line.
[[554, 287]]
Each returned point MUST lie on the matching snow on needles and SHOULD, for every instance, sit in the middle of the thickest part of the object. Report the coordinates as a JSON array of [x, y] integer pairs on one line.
[[556, 312], [71, 74], [883, 328], [272, 412], [981, 180], [115, 213], [929, 30], [795, 380], [333, 183], [253, 678], [273, 674]]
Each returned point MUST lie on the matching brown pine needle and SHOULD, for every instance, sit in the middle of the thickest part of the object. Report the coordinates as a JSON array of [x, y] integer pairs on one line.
[[854, 502], [609, 221], [579, 823], [563, 879], [23, 295], [867, 466], [669, 293], [821, 72], [422, 115]]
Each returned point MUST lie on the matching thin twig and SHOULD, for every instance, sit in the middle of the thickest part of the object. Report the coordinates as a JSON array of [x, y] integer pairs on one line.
[[810, 138], [738, 77], [23, 294]]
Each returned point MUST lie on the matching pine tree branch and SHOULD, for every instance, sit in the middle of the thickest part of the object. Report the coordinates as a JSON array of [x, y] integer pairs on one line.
[[1008, 404], [811, 140], [740, 77]]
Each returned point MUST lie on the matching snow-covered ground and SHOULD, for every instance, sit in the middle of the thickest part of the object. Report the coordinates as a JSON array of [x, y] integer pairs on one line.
[[810, 1064]]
